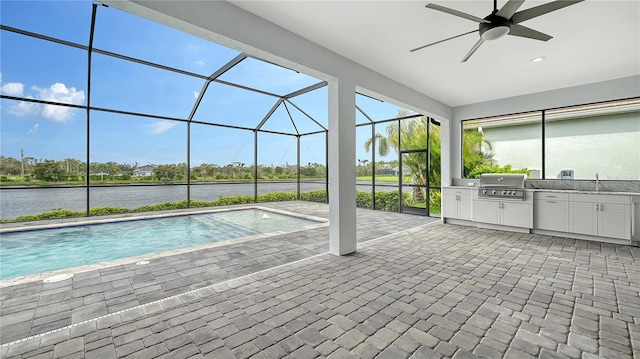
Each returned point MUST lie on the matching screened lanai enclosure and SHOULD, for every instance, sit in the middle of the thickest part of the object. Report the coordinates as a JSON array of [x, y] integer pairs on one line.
[[110, 113]]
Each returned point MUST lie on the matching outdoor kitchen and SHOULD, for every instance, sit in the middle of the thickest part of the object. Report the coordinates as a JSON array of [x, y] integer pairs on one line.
[[604, 211]]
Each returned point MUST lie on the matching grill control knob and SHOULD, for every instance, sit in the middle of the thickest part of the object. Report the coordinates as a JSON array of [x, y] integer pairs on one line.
[[493, 192], [504, 192], [484, 191]]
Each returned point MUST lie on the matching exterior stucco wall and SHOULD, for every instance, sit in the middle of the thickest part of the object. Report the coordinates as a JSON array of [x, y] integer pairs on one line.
[[607, 145]]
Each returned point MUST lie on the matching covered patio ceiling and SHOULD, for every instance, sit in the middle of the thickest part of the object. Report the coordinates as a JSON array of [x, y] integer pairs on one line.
[[592, 41]]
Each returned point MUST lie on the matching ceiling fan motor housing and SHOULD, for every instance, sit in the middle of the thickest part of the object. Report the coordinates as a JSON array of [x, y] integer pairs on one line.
[[497, 28]]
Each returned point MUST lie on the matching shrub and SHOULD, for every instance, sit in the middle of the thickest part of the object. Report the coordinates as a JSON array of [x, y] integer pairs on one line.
[[162, 206], [101, 211], [364, 199], [226, 201], [277, 197], [4, 179], [319, 195], [56, 213], [435, 198], [478, 170]]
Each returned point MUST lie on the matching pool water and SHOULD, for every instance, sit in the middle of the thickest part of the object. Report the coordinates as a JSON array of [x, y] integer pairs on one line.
[[38, 251]]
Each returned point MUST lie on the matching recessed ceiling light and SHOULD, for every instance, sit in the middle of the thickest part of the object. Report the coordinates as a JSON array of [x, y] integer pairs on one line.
[[538, 59]]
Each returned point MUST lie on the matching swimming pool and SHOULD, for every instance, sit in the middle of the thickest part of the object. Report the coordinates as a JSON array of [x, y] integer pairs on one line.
[[44, 250]]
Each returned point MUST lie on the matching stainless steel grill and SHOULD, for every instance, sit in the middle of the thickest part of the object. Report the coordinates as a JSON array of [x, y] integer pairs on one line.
[[502, 185]]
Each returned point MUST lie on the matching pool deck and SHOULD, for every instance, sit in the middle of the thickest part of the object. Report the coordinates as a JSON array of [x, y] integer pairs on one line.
[[415, 288]]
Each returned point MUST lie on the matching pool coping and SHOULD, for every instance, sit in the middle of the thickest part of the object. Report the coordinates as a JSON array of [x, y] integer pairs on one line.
[[69, 272]]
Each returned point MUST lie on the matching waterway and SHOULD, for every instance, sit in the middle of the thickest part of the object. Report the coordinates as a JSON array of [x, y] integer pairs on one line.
[[15, 202]]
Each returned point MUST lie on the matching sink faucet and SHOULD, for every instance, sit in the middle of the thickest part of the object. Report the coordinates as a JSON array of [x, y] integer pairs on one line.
[[597, 183]]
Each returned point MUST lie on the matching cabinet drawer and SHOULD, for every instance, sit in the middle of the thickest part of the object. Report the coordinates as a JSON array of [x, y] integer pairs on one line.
[[459, 191], [554, 196], [551, 214], [600, 198]]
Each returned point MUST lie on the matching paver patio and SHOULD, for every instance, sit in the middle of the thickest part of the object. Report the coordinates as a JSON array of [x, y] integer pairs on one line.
[[414, 289]]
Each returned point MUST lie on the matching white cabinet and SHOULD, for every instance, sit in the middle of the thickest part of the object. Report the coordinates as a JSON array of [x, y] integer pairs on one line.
[[551, 211], [600, 215], [457, 202], [508, 213]]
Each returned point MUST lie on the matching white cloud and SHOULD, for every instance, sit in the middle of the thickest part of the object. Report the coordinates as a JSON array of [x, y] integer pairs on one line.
[[159, 127], [57, 92], [34, 128], [196, 94], [13, 89], [199, 62], [24, 109]]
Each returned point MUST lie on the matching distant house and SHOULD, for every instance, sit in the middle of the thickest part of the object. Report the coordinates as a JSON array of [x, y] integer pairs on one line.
[[392, 171], [387, 171], [143, 171]]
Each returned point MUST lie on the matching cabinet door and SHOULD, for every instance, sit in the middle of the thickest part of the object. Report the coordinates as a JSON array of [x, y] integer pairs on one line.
[[450, 206], [517, 214], [584, 218], [486, 211], [465, 208], [614, 221], [551, 215]]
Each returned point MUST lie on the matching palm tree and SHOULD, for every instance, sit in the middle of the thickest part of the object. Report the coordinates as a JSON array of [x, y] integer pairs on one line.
[[476, 149], [413, 136], [381, 142]]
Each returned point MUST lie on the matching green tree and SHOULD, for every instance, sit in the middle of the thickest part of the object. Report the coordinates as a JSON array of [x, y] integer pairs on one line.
[[411, 134], [169, 172], [473, 150], [476, 151], [10, 166], [49, 170]]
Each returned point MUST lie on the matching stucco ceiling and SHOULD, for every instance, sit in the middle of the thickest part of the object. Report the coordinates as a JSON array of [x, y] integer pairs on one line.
[[592, 41]]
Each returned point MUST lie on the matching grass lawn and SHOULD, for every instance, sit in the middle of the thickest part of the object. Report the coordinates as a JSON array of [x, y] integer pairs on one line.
[[393, 179]]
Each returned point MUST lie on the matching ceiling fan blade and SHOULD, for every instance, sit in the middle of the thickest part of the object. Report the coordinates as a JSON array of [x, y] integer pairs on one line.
[[523, 31], [510, 8], [541, 10], [473, 49], [437, 42], [457, 13]]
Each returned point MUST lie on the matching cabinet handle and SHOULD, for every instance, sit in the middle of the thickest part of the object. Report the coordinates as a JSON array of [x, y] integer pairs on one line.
[[552, 196], [552, 202], [597, 207], [633, 217]]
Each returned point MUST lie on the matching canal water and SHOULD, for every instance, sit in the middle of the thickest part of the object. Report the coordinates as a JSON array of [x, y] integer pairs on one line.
[[30, 201]]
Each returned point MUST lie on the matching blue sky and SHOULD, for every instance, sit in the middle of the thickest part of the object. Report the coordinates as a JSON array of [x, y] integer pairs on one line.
[[38, 69]]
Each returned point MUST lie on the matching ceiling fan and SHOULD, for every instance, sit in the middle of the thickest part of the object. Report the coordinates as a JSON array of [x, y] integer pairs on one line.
[[505, 21]]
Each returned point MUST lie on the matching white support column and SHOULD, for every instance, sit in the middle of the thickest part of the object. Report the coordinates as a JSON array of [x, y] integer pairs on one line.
[[342, 167]]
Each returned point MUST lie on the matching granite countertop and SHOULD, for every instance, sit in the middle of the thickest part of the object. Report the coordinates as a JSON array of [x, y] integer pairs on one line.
[[582, 191], [564, 191]]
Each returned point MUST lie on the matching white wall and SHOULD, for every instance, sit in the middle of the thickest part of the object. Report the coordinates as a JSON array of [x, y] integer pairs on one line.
[[608, 145]]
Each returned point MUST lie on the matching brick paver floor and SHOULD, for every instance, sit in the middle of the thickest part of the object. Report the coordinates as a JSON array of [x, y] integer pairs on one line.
[[413, 290]]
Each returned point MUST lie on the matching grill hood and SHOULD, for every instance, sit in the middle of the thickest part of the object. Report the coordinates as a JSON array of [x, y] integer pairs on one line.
[[502, 180]]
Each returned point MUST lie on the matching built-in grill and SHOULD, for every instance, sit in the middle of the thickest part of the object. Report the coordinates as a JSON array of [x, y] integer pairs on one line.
[[502, 185]]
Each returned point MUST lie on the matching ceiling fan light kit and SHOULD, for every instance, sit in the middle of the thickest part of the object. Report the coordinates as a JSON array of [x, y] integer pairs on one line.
[[500, 23], [494, 33]]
